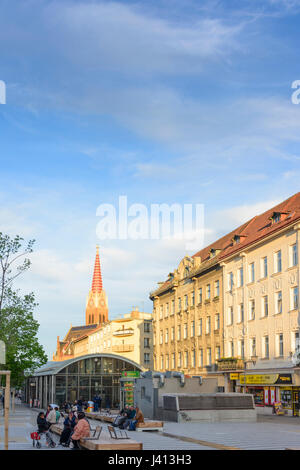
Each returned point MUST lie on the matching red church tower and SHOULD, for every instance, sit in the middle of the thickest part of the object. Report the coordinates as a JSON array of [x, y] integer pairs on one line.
[[96, 306]]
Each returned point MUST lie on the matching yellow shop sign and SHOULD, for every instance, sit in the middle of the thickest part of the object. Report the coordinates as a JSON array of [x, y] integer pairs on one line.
[[266, 379], [234, 376]]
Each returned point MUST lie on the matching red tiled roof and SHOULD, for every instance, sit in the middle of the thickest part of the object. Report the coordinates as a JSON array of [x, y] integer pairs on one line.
[[255, 229]]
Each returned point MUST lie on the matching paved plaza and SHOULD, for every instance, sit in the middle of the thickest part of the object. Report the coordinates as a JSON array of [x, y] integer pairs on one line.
[[268, 433]]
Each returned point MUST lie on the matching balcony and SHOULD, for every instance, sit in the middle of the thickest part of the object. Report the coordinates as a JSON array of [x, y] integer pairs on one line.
[[124, 332], [121, 348], [230, 363]]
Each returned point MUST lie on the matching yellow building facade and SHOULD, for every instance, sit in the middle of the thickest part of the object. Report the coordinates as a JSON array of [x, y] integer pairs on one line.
[[187, 316], [130, 336], [232, 310]]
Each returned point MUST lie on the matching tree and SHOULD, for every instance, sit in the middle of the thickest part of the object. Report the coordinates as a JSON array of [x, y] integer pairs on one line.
[[9, 254], [18, 328]]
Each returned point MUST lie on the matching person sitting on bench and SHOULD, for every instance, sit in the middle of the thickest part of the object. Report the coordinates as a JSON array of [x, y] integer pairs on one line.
[[131, 416], [81, 430]]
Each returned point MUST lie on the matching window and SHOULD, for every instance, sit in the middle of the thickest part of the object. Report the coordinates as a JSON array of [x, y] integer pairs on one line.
[[193, 328], [167, 310], [146, 358], [218, 352], [193, 358], [200, 327], [185, 331], [230, 281], [231, 345], [167, 362], [179, 304], [208, 326], [264, 267], [252, 309], [293, 255], [201, 357], [179, 332], [253, 347], [161, 362], [186, 359], [173, 307], [230, 315], [280, 344], [200, 295], [278, 302], [161, 311], [266, 347], [186, 302], [241, 313], [217, 288], [294, 298], [167, 335], [242, 348], [208, 291], [217, 321], [161, 337], [208, 356], [179, 360], [147, 327], [296, 340], [251, 272], [193, 298], [241, 277], [173, 361], [265, 309], [146, 342], [277, 262], [173, 333]]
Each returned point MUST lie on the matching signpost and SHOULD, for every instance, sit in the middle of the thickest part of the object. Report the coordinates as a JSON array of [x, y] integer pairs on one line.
[[7, 393]]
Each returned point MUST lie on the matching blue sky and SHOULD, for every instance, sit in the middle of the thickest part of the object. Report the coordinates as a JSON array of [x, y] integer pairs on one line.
[[161, 101]]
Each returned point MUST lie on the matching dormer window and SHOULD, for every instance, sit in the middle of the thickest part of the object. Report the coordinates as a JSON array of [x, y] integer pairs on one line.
[[186, 272], [278, 217], [213, 252], [236, 239]]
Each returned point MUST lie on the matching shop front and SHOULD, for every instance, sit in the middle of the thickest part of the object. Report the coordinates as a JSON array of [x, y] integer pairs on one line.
[[269, 389]]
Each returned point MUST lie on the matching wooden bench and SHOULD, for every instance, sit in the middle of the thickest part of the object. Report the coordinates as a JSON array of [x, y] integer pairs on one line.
[[116, 433], [104, 442], [148, 425]]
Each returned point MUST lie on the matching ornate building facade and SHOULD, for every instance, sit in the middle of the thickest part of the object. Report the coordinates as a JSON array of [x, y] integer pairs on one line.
[[232, 309]]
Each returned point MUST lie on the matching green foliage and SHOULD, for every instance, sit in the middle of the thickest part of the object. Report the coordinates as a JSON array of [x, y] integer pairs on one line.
[[18, 328]]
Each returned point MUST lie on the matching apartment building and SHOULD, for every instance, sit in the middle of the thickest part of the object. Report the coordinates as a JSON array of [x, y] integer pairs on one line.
[[232, 309]]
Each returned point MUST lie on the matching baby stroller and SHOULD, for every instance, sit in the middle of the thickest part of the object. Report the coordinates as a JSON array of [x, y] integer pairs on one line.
[[37, 437]]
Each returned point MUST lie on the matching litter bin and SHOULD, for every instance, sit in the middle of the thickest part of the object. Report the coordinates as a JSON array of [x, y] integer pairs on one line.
[[90, 407]]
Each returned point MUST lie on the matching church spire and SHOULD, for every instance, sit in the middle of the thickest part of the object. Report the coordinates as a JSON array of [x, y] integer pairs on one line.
[[97, 277], [96, 311]]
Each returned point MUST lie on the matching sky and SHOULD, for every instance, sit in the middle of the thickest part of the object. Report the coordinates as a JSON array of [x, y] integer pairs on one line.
[[160, 101]]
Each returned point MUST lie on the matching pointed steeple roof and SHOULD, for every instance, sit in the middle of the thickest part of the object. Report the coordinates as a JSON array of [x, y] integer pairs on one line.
[[97, 277]]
